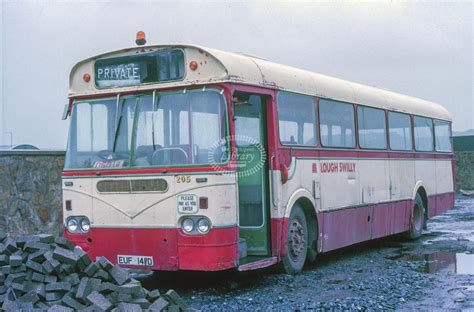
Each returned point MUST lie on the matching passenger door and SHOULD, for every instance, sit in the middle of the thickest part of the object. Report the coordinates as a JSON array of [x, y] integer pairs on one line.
[[252, 171]]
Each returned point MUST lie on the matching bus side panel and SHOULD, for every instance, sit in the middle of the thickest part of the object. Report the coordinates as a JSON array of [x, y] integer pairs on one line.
[[444, 185], [390, 218], [346, 227]]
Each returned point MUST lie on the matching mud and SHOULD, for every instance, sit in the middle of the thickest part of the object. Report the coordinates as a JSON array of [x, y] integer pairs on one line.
[[434, 273]]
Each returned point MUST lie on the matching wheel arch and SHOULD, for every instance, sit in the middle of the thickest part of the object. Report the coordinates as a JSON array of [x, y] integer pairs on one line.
[[420, 189], [304, 199]]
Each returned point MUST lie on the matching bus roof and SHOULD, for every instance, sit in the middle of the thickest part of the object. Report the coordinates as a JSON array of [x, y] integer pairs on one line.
[[218, 66]]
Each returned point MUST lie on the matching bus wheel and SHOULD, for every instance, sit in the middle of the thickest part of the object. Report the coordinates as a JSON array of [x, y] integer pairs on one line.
[[296, 242], [417, 220]]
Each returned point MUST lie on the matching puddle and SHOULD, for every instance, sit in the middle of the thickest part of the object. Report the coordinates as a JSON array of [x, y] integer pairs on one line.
[[459, 263]]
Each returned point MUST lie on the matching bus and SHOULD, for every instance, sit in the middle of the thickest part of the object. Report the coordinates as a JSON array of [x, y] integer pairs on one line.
[[182, 157]]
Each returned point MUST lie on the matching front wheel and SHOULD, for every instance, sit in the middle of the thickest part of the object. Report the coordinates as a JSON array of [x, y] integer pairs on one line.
[[296, 242], [417, 220]]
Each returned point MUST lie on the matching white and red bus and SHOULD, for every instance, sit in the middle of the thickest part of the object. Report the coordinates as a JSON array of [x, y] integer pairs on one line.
[[182, 157]]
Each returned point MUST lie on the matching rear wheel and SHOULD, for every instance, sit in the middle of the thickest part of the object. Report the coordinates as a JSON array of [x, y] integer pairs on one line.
[[296, 242], [417, 220]]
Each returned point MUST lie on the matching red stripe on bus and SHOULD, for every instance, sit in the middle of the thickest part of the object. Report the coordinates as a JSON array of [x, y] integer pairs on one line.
[[350, 226], [170, 248], [131, 171]]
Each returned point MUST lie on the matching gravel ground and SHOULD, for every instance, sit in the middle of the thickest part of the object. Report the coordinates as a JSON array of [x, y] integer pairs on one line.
[[433, 273]]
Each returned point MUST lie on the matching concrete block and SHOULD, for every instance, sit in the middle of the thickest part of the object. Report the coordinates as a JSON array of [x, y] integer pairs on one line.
[[37, 277], [100, 301], [35, 246], [15, 278], [82, 255], [21, 240], [95, 282], [41, 305], [70, 302], [66, 268], [173, 308], [59, 308], [18, 287], [101, 274], [30, 296], [124, 297], [128, 307], [50, 279], [58, 286], [10, 246], [64, 242], [16, 260], [65, 256], [142, 302], [54, 296], [84, 289], [45, 238], [5, 269], [4, 260], [38, 288], [35, 266], [119, 275], [176, 299], [153, 295], [104, 263], [159, 305], [37, 256], [107, 288], [47, 267], [130, 289], [91, 269], [73, 279], [18, 269], [3, 235]]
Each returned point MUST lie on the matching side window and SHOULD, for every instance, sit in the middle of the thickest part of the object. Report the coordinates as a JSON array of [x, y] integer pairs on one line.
[[442, 136], [423, 129], [337, 124], [296, 119], [399, 131], [372, 128]]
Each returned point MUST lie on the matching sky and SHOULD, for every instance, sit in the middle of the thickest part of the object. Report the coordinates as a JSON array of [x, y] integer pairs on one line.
[[423, 49]]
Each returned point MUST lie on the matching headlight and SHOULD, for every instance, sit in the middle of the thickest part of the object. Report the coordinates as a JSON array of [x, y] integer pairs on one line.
[[72, 225], [85, 225], [203, 225], [188, 225]]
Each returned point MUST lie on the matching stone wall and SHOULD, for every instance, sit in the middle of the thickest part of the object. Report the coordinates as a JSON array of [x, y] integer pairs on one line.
[[30, 191], [465, 170]]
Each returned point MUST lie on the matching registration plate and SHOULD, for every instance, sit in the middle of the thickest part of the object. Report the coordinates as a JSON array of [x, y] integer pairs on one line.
[[135, 260], [187, 203]]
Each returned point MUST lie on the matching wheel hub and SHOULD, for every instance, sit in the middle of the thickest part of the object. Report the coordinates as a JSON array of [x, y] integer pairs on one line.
[[297, 241]]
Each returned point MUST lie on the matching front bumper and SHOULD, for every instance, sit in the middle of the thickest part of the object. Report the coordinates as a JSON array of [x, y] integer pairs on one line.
[[171, 249]]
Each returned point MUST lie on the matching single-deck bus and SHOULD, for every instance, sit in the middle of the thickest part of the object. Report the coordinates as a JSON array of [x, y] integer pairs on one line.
[[182, 157]]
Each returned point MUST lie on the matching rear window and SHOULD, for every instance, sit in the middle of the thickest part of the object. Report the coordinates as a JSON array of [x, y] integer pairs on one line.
[[423, 129], [442, 136]]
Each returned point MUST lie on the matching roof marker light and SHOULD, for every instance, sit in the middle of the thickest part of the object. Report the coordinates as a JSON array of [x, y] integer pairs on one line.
[[140, 38], [193, 65], [86, 77]]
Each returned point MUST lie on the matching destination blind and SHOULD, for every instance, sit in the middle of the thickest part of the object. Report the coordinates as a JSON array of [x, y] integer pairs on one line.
[[158, 66]]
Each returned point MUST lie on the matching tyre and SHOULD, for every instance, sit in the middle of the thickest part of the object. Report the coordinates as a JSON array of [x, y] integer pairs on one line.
[[417, 220], [296, 242]]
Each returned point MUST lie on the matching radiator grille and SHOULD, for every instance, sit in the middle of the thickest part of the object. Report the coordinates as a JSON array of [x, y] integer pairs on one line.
[[132, 186]]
